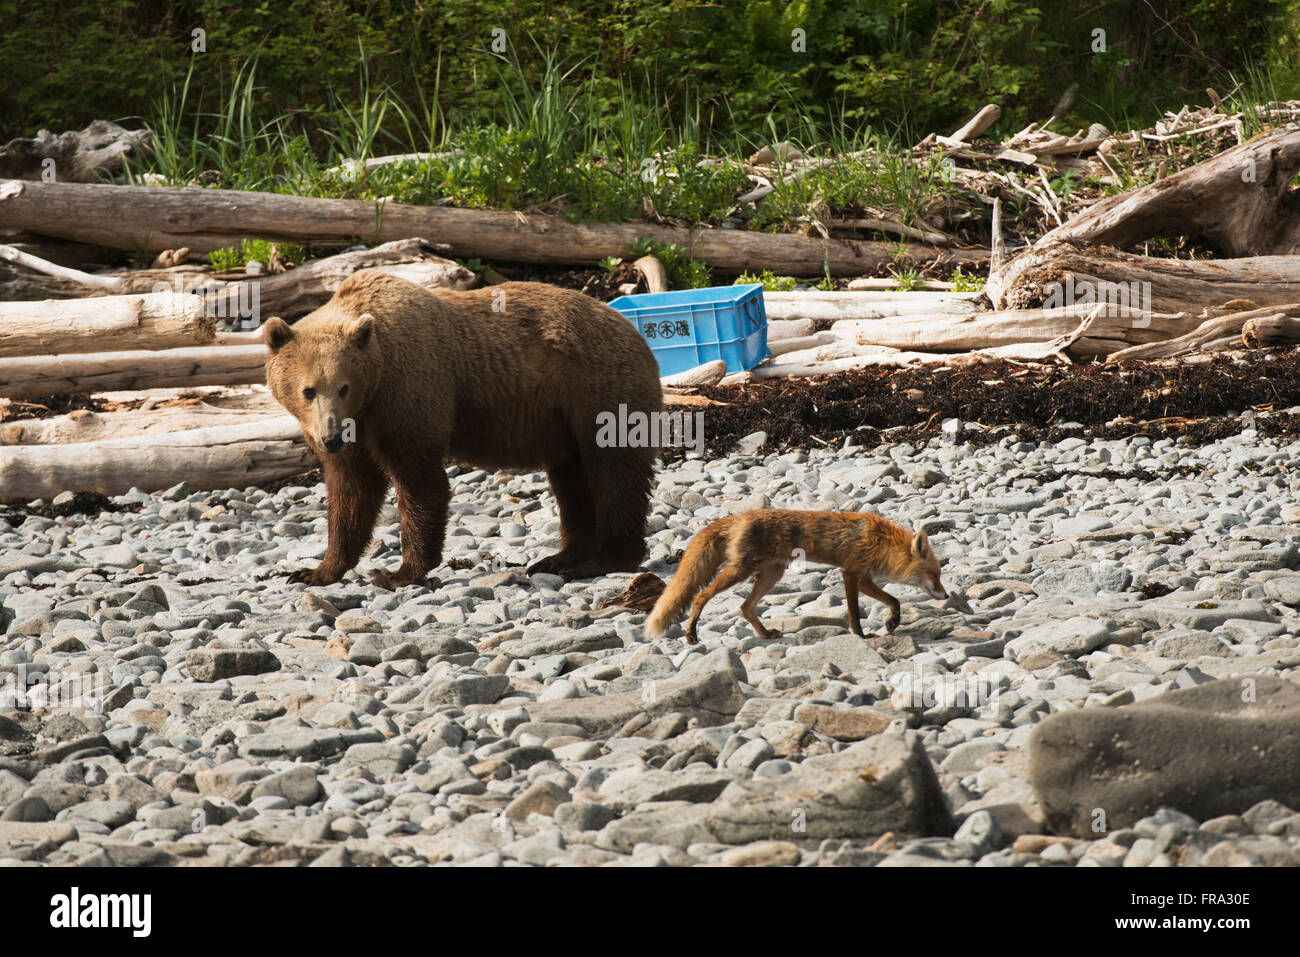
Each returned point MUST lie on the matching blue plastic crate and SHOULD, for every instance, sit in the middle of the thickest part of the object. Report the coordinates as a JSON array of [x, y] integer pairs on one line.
[[690, 327]]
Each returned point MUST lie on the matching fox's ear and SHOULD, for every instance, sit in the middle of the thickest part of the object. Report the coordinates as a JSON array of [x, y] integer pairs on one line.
[[921, 545], [276, 333], [360, 329]]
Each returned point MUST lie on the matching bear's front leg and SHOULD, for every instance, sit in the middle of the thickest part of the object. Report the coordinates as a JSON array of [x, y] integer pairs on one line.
[[354, 491], [423, 495]]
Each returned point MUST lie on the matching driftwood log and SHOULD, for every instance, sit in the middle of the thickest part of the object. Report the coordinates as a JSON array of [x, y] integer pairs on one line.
[[129, 217], [865, 305], [109, 324], [78, 156], [1085, 274], [84, 425], [1276, 330], [653, 272], [74, 374], [1113, 329], [290, 295], [709, 373], [1220, 332], [226, 456], [1240, 201]]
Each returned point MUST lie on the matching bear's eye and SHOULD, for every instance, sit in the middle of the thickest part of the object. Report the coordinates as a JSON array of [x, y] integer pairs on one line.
[[343, 392], [309, 393]]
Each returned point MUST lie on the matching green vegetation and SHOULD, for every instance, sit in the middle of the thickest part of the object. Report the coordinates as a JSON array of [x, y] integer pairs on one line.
[[729, 65], [963, 283], [623, 109], [771, 282], [683, 272], [250, 250]]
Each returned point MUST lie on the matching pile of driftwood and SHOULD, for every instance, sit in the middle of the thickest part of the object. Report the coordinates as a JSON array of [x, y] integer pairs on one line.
[[1073, 295]]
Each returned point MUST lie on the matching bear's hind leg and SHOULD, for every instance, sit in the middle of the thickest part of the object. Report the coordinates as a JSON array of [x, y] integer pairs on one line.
[[577, 520], [354, 490], [621, 480], [423, 495]]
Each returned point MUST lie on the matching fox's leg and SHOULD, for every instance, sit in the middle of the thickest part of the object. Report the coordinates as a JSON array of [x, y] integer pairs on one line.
[[767, 577], [884, 597], [851, 601], [730, 575]]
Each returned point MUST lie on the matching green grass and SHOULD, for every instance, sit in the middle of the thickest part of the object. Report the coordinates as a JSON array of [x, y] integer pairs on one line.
[[683, 271], [771, 282], [236, 257]]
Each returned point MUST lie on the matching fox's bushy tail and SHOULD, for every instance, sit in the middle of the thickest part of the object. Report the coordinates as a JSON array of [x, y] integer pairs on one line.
[[703, 557]]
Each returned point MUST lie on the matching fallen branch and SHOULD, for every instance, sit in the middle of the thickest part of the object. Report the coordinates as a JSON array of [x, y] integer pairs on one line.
[[652, 270], [1113, 329], [1278, 330]]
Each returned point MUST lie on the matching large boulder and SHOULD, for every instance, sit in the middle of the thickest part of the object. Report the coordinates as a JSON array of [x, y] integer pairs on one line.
[[885, 783], [1219, 748], [711, 699]]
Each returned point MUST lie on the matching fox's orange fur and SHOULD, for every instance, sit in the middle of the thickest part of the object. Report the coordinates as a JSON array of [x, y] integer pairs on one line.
[[762, 542]]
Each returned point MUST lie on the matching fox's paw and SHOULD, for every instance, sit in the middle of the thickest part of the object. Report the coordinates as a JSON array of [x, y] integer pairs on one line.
[[891, 623], [769, 634]]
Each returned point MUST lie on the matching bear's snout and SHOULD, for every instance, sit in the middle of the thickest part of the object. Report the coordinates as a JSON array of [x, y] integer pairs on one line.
[[333, 442]]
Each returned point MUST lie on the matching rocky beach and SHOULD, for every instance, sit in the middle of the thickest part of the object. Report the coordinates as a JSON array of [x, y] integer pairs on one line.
[[167, 698]]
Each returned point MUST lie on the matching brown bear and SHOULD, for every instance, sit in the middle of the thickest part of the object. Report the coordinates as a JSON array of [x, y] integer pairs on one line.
[[390, 380]]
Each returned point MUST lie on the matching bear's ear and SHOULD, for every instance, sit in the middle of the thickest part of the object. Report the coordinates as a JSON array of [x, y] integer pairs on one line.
[[276, 333], [359, 330]]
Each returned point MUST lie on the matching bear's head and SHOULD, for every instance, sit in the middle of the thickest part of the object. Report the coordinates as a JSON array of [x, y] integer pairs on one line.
[[323, 376]]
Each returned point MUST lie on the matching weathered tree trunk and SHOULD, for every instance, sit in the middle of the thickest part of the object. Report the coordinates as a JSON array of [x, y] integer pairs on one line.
[[127, 217], [112, 371], [290, 294], [1241, 201], [1271, 331], [229, 456], [1113, 329], [111, 323], [865, 305], [826, 361], [78, 156], [83, 425], [1061, 273]]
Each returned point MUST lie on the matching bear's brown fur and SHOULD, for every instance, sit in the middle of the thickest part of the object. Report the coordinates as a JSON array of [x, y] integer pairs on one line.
[[389, 380]]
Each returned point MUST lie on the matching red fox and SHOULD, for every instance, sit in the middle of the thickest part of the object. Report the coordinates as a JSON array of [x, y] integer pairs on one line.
[[762, 542]]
